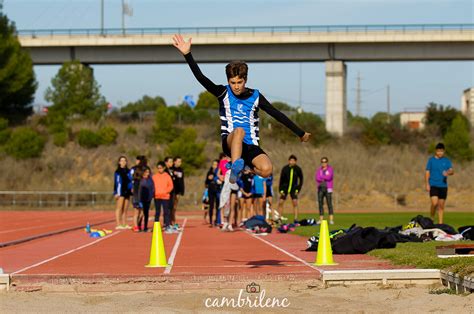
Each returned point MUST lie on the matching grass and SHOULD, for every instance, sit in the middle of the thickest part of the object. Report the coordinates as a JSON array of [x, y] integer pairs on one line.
[[419, 255]]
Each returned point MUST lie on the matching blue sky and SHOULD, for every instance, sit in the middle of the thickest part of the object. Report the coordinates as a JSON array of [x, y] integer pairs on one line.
[[412, 84]]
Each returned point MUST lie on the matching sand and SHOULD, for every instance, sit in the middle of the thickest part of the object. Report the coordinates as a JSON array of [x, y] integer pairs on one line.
[[300, 298]]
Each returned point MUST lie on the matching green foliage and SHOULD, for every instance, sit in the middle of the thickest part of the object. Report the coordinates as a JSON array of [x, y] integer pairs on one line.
[[188, 115], [5, 136], [60, 139], [185, 145], [147, 103], [131, 130], [25, 143], [75, 92], [17, 78], [307, 121], [207, 101], [108, 135], [164, 130], [440, 117], [3, 123], [88, 139], [457, 140]]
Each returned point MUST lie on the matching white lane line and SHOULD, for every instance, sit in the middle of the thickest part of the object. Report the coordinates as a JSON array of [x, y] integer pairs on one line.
[[175, 248], [287, 253], [66, 253]]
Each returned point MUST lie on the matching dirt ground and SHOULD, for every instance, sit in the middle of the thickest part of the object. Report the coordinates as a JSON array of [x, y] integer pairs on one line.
[[300, 298]]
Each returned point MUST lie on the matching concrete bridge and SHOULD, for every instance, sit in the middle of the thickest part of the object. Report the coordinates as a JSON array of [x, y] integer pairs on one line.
[[332, 44]]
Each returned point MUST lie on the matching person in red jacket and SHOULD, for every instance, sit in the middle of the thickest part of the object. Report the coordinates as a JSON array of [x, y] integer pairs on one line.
[[163, 187]]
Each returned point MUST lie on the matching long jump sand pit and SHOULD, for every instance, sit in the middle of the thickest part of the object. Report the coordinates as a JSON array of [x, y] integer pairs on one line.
[[308, 297]]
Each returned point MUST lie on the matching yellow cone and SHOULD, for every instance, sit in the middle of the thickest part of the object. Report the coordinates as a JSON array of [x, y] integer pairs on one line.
[[324, 256], [157, 253]]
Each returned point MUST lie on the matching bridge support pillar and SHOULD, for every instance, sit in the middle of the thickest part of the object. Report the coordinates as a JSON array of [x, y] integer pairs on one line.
[[336, 108]]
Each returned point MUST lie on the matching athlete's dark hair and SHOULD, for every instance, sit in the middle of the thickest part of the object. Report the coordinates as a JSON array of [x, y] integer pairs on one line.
[[176, 158], [138, 173], [237, 68], [222, 155], [118, 162], [292, 157], [440, 146], [167, 158], [324, 158], [161, 164]]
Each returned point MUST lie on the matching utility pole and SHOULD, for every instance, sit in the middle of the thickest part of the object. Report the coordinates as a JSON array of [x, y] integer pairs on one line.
[[102, 17], [123, 17], [358, 96]]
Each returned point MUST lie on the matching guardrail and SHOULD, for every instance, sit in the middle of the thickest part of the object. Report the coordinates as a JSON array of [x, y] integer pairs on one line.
[[303, 29]]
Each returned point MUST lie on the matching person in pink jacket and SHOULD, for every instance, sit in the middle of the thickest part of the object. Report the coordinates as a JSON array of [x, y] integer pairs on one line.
[[324, 181]]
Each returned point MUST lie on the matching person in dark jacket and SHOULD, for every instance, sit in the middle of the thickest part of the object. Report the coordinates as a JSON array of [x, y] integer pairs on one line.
[[214, 186], [146, 194], [178, 183], [291, 182], [122, 193]]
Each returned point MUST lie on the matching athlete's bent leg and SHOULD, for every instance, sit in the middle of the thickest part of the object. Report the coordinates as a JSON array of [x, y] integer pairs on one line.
[[234, 142], [262, 165]]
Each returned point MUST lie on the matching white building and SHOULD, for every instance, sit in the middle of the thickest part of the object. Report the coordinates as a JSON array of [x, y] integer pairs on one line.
[[467, 104], [414, 120]]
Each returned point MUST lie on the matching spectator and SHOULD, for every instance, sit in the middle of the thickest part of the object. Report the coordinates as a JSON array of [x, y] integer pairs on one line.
[[122, 193], [258, 194], [245, 183], [324, 181], [178, 184], [138, 209], [163, 187], [145, 194], [291, 182], [169, 169], [213, 185]]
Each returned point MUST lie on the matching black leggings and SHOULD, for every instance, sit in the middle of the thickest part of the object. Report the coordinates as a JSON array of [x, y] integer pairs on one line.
[[146, 211], [321, 195], [213, 200], [166, 211]]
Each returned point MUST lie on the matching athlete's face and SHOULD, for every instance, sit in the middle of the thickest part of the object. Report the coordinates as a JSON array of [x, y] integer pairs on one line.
[[146, 173], [169, 163], [237, 85], [178, 162], [292, 162]]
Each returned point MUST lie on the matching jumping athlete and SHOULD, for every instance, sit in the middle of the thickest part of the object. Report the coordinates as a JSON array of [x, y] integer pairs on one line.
[[238, 110]]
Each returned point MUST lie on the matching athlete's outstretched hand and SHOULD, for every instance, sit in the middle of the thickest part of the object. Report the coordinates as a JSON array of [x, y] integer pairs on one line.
[[181, 44], [305, 137]]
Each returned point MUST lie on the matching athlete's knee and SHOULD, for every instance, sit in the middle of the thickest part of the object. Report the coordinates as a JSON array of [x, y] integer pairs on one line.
[[239, 132], [266, 170]]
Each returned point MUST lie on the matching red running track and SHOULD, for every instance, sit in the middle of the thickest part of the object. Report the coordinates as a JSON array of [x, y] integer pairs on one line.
[[198, 250]]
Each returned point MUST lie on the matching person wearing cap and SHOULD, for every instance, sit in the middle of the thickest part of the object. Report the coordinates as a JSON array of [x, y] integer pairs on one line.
[[437, 171]]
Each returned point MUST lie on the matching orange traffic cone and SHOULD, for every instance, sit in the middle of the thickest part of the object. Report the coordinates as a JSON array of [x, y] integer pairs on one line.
[[324, 256], [157, 253]]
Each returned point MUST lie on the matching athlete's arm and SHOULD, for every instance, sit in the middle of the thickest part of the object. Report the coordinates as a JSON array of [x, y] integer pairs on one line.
[[216, 90], [280, 116], [185, 48]]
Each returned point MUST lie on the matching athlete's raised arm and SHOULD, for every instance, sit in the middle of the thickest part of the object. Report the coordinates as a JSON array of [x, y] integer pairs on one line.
[[282, 118], [185, 48]]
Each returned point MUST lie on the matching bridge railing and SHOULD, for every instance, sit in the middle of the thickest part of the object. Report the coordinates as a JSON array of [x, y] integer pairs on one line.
[[303, 29]]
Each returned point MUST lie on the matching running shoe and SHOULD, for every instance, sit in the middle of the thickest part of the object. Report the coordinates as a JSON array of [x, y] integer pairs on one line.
[[136, 229], [169, 229], [126, 227], [331, 222], [237, 167]]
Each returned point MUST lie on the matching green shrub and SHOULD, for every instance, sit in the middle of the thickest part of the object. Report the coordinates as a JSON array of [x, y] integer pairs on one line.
[[191, 151], [3, 124], [88, 139], [25, 143], [457, 140], [60, 139], [5, 136], [164, 130], [108, 135], [131, 130]]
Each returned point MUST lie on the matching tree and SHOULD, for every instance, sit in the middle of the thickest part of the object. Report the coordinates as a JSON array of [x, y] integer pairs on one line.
[[440, 117], [457, 140], [17, 78], [207, 101], [74, 91], [164, 130], [185, 145], [147, 103]]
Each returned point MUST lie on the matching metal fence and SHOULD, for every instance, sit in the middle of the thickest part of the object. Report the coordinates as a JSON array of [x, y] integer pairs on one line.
[[303, 29]]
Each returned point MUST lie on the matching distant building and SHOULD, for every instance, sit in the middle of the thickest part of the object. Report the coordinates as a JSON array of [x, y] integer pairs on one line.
[[467, 104], [414, 120]]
